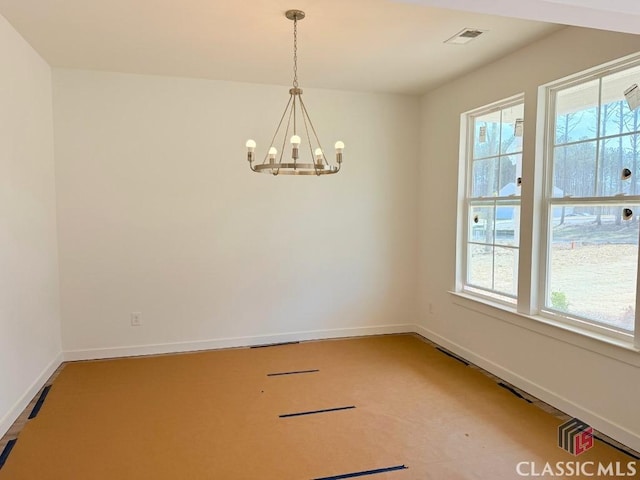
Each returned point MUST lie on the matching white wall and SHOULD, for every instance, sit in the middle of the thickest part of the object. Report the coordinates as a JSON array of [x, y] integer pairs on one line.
[[599, 389], [29, 297], [159, 213]]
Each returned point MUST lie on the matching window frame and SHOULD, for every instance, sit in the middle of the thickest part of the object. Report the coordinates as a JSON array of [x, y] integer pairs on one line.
[[466, 187], [549, 91], [529, 311]]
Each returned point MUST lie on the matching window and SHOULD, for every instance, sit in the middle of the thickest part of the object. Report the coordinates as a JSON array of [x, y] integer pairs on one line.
[[580, 213], [592, 200], [492, 200]]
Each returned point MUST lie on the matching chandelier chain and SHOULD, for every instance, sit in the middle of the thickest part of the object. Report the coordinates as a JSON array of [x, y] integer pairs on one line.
[[295, 52]]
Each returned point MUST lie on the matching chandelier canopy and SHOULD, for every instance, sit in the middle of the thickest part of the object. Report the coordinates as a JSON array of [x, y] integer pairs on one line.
[[293, 112]]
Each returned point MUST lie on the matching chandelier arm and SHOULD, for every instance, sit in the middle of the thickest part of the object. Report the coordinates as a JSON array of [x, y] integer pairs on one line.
[[305, 117], [304, 110], [286, 133], [278, 128], [295, 98]]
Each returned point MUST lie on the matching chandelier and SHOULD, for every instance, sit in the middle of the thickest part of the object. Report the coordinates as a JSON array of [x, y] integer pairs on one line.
[[293, 112]]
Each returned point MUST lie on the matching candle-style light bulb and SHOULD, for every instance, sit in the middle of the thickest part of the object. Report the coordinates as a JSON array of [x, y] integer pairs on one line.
[[339, 146], [272, 154], [318, 153], [251, 147], [295, 142]]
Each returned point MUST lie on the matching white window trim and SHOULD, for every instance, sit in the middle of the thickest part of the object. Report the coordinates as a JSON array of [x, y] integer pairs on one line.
[[531, 267], [618, 349], [464, 188], [543, 156]]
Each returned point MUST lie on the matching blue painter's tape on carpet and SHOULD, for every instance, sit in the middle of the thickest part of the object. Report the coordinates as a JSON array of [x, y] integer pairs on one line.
[[364, 473], [39, 403], [299, 414], [7, 451]]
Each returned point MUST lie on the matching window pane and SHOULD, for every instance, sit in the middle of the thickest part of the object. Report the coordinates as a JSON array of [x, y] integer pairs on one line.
[[496, 165], [510, 142], [482, 224], [574, 170], [505, 270], [577, 113], [616, 116], [507, 224], [480, 266], [486, 140], [619, 154], [485, 177], [510, 170], [593, 263]]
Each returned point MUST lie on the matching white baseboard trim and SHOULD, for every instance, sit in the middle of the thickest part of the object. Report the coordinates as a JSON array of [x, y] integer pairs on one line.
[[22, 403], [193, 346], [600, 423]]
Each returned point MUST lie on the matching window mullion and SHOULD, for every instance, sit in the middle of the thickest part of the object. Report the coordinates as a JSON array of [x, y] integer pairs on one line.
[[599, 143], [613, 200], [636, 331]]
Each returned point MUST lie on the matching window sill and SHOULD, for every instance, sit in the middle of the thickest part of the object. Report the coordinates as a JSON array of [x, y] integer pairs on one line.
[[618, 349]]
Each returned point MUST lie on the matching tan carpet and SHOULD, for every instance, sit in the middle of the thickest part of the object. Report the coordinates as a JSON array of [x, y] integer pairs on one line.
[[216, 415]]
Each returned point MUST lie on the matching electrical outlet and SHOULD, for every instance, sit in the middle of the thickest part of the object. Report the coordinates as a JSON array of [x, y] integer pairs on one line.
[[430, 308], [136, 319]]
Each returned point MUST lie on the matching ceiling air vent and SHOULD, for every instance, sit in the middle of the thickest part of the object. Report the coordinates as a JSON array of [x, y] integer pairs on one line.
[[465, 36]]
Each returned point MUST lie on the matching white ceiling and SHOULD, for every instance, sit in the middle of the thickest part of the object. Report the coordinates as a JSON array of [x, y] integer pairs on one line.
[[368, 45], [616, 15]]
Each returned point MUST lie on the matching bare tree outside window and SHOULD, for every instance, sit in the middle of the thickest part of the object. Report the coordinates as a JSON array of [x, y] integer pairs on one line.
[[592, 244]]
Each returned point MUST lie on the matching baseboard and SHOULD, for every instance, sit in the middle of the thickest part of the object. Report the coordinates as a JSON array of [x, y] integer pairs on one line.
[[22, 403], [179, 347], [600, 423]]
